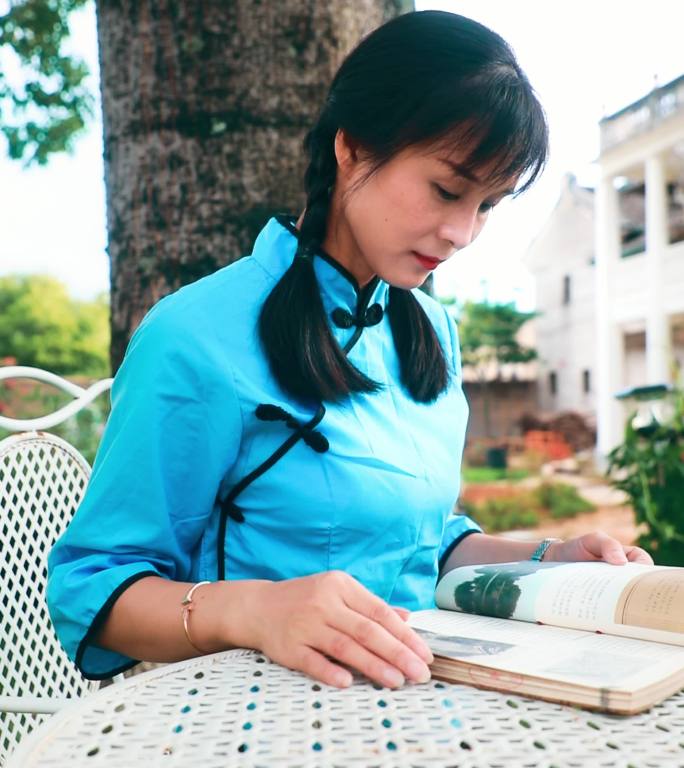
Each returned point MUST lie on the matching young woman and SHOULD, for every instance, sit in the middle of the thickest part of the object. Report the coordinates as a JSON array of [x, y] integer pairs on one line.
[[288, 431]]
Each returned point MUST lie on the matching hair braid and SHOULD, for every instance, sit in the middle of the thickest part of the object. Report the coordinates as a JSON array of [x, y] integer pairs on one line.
[[303, 354], [423, 78]]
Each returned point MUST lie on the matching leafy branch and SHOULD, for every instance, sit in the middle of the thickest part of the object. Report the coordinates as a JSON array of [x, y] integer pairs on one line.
[[48, 104]]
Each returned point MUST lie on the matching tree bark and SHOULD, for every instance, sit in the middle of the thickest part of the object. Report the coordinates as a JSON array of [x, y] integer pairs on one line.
[[205, 105]]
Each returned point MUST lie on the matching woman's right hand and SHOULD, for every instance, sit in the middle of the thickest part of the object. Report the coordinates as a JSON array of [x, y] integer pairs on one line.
[[304, 620]]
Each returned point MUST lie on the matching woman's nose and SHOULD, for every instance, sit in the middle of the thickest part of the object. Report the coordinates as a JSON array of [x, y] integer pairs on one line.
[[461, 228]]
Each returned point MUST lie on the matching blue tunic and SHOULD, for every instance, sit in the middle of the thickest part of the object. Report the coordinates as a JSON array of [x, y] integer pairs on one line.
[[183, 431]]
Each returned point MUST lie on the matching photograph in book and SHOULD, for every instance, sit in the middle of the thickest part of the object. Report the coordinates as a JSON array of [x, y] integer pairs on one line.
[[633, 600], [594, 635]]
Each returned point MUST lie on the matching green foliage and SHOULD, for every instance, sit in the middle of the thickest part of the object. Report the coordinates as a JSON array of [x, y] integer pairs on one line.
[[487, 333], [488, 474], [504, 514], [561, 500], [525, 509], [40, 325], [50, 108], [649, 467]]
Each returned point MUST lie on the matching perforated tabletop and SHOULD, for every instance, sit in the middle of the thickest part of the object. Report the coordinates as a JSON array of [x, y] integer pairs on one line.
[[236, 708]]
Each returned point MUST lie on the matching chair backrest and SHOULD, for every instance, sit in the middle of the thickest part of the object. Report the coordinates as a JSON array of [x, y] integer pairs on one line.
[[42, 481]]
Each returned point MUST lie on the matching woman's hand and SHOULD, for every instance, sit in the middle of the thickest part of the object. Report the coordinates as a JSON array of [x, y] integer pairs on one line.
[[302, 621], [597, 546]]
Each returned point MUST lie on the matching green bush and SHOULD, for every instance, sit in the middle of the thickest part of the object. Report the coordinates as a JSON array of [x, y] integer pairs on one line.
[[649, 467], [561, 500], [504, 514], [526, 509], [42, 326], [488, 474]]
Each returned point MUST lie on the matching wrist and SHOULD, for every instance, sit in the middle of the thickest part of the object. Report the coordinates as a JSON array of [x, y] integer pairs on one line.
[[543, 549], [552, 553], [241, 613]]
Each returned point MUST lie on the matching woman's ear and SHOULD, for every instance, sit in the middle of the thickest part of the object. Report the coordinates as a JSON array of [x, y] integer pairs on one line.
[[350, 158], [347, 151]]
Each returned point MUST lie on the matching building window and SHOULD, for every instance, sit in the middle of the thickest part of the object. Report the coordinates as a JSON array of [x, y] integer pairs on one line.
[[553, 383], [632, 215], [586, 381], [566, 289]]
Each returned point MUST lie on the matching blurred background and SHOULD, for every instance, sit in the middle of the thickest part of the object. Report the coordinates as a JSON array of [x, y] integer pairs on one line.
[[145, 144]]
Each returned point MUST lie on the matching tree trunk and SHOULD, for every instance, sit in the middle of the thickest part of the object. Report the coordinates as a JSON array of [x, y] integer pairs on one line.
[[205, 106]]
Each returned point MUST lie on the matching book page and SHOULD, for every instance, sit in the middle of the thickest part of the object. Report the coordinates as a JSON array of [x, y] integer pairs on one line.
[[635, 600], [638, 601], [570, 656]]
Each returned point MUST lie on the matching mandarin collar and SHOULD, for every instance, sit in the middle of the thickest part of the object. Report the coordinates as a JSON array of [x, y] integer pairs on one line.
[[275, 248]]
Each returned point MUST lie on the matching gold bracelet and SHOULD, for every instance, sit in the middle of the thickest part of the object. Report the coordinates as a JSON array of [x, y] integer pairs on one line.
[[187, 605]]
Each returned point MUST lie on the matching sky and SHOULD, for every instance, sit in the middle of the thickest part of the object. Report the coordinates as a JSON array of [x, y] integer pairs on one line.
[[586, 59]]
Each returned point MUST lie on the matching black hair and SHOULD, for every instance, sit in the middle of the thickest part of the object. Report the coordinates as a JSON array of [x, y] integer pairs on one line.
[[427, 77]]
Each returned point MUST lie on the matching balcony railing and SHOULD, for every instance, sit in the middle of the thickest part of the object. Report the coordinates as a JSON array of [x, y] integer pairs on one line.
[[643, 115]]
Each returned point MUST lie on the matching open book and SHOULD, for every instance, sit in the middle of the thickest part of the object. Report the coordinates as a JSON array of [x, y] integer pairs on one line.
[[601, 636]]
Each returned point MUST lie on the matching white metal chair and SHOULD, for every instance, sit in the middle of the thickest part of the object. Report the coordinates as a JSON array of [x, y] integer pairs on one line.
[[42, 481]]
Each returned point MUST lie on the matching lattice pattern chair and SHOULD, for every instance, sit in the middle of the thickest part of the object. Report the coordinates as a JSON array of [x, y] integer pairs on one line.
[[42, 481]]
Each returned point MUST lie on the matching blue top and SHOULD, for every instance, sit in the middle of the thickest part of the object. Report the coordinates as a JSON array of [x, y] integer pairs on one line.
[[378, 504]]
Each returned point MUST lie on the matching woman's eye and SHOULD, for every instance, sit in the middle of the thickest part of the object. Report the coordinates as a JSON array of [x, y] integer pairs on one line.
[[486, 207], [445, 194]]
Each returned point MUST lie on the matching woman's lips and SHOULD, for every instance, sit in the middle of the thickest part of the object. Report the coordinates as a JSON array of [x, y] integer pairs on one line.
[[427, 261]]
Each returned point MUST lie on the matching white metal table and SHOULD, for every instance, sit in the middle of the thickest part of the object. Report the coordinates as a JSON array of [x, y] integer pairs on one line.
[[236, 708]]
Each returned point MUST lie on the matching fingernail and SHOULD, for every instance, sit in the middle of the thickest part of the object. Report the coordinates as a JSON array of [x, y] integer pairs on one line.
[[418, 672], [393, 678]]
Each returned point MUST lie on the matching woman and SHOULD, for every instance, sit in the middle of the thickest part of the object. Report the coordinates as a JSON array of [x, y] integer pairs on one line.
[[288, 431]]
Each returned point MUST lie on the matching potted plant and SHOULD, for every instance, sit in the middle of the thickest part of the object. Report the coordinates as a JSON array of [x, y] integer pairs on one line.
[[649, 467]]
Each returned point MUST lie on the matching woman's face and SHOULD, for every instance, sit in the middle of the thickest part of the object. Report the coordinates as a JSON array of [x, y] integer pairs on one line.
[[415, 212]]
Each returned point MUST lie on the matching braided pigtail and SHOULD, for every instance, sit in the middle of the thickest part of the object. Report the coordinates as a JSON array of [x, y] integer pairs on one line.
[[423, 367], [427, 79], [304, 356]]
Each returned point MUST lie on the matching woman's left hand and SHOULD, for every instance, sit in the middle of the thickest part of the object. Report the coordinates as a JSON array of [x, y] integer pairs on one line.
[[597, 546]]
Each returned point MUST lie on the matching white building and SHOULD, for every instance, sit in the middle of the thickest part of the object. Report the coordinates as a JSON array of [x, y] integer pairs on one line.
[[610, 268], [562, 261], [639, 246]]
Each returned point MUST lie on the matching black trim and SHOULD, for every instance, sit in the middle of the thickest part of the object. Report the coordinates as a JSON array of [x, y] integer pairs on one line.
[[363, 294], [97, 624], [452, 547], [363, 317], [360, 311], [227, 503], [344, 319], [288, 222], [342, 270]]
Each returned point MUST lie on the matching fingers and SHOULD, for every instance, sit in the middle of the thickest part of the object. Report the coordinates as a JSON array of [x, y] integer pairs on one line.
[[601, 546], [638, 555], [343, 647], [369, 605], [315, 664], [402, 613], [613, 552]]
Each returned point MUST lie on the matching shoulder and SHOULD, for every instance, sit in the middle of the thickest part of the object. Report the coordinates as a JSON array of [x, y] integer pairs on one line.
[[214, 309]]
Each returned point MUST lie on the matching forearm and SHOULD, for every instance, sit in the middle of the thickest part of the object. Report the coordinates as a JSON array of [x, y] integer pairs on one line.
[[481, 548], [146, 621]]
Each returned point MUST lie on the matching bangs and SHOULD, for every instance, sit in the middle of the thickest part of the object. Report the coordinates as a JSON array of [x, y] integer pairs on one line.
[[499, 133]]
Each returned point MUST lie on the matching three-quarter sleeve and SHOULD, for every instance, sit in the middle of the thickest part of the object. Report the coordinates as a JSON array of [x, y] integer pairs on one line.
[[457, 526], [173, 432]]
